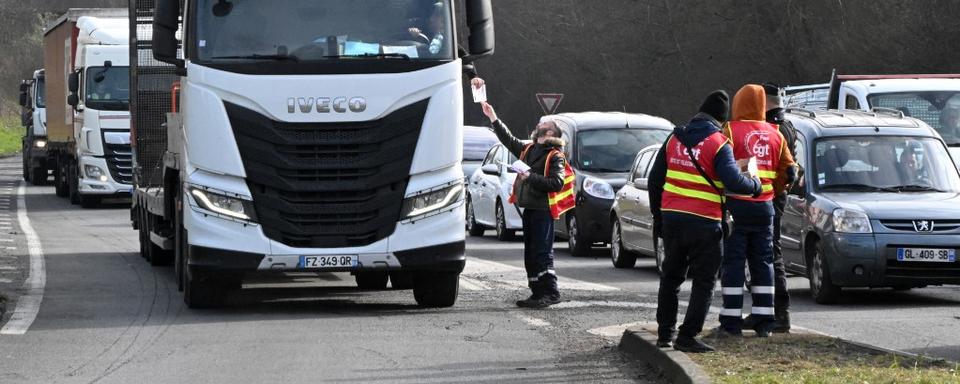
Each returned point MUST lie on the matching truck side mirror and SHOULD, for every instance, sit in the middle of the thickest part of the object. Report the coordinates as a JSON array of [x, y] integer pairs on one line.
[[73, 100], [73, 82], [24, 86], [24, 99], [166, 21], [480, 22]]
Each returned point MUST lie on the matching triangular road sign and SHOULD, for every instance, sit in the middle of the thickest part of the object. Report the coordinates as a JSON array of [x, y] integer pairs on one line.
[[549, 102]]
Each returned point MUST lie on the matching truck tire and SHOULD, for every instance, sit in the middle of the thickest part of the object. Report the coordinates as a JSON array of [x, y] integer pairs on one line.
[[38, 176], [372, 280], [60, 181], [26, 172], [202, 289], [74, 184], [578, 246], [436, 289], [89, 201], [401, 280]]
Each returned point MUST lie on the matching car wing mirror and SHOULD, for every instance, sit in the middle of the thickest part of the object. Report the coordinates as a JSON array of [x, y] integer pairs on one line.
[[640, 183], [490, 169]]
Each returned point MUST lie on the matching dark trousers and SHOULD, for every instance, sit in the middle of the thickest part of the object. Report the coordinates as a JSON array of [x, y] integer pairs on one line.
[[693, 253], [751, 245], [538, 252], [781, 300]]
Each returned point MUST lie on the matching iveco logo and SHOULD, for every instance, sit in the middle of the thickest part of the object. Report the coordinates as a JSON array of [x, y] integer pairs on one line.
[[326, 104], [923, 225]]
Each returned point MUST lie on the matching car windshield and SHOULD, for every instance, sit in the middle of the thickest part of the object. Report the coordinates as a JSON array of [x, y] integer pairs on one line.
[[476, 143], [289, 30], [41, 91], [939, 109], [886, 164], [613, 150], [107, 88]]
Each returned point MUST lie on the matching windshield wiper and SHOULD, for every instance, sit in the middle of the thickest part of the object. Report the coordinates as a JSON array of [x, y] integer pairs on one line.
[[857, 187], [256, 56], [916, 188], [373, 55], [605, 170]]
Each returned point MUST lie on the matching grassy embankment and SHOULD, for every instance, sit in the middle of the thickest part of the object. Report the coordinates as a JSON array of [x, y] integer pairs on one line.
[[10, 134]]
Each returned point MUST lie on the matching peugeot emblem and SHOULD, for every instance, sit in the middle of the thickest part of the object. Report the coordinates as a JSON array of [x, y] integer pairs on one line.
[[923, 225]]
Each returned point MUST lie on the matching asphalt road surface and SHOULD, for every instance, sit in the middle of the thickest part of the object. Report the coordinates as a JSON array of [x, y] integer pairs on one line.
[[105, 316]]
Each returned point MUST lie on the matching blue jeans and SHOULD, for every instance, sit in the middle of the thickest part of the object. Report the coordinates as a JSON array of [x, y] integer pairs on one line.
[[751, 245], [538, 252]]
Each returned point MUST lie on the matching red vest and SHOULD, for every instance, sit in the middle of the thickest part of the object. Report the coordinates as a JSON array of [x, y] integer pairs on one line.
[[560, 202], [685, 190], [761, 140]]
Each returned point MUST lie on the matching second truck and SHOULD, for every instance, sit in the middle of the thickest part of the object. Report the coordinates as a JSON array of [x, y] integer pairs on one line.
[[302, 136]]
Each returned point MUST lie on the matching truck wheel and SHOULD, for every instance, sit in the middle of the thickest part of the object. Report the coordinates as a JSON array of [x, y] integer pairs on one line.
[[578, 246], [401, 280], [821, 285], [202, 289], [74, 184], [26, 174], [89, 201], [38, 176], [60, 182], [503, 234], [436, 289], [621, 257], [372, 280], [473, 228]]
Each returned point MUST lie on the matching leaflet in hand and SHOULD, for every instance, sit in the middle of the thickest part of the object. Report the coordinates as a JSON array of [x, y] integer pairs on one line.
[[752, 167], [479, 94], [518, 166]]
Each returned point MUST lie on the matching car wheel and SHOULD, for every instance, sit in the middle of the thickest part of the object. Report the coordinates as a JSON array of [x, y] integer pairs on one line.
[[659, 252], [621, 257], [821, 285], [474, 228], [578, 246], [503, 234]]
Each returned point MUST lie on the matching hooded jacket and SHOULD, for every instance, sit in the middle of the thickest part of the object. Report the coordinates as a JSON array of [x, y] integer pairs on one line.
[[691, 134], [532, 192], [750, 104]]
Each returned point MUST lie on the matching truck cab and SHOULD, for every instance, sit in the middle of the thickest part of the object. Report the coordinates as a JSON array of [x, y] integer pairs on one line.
[[34, 118]]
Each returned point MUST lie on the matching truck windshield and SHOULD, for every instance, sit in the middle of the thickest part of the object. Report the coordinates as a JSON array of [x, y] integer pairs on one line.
[[41, 93], [107, 89], [939, 109], [297, 31], [613, 150], [885, 164]]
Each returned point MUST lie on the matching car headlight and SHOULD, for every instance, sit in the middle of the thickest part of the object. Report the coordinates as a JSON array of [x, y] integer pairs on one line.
[[850, 221], [224, 205], [430, 201], [40, 143], [95, 172], [598, 188]]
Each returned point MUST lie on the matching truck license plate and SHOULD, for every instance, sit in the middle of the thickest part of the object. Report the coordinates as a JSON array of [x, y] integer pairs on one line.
[[320, 262], [927, 255]]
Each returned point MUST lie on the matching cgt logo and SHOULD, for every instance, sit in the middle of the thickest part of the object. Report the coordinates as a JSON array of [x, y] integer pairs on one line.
[[326, 104]]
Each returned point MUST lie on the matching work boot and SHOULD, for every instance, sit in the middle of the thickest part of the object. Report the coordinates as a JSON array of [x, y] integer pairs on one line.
[[749, 321], [762, 330], [691, 345], [525, 303], [539, 303], [781, 321]]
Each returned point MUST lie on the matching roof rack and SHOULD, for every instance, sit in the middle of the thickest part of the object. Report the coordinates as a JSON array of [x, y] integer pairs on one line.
[[888, 111], [904, 76], [808, 112]]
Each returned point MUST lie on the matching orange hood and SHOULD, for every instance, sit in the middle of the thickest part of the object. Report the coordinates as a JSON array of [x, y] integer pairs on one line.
[[750, 103]]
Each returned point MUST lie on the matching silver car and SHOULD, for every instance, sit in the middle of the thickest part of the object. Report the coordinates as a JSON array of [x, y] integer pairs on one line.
[[631, 221]]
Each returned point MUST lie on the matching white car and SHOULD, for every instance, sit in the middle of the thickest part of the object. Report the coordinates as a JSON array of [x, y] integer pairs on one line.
[[488, 196]]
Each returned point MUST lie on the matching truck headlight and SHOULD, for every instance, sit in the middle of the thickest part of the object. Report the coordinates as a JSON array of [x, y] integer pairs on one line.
[[598, 188], [95, 172], [850, 221], [430, 201], [224, 205], [40, 143]]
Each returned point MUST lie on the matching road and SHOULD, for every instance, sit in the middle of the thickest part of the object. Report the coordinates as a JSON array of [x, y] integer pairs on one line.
[[108, 317]]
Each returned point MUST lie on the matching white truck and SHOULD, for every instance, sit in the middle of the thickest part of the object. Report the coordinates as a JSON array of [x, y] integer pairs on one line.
[[86, 61], [302, 136], [933, 98], [36, 163]]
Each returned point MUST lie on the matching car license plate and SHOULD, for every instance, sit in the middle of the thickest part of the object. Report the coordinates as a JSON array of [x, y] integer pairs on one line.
[[332, 261], [927, 255]]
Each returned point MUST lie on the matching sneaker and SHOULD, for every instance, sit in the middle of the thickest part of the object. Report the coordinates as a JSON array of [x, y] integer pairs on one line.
[[691, 345]]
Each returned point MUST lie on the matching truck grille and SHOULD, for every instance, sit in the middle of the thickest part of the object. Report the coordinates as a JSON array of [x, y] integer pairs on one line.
[[327, 185], [119, 161]]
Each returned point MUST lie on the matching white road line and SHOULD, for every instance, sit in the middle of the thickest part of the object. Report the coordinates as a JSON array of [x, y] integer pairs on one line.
[[533, 321], [516, 277], [612, 331], [28, 305], [603, 303], [7, 240], [6, 281]]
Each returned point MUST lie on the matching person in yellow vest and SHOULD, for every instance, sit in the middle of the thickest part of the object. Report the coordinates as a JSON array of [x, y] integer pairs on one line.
[[544, 192], [686, 185], [754, 141]]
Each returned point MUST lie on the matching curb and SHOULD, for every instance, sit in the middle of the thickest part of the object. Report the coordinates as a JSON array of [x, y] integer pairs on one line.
[[873, 348], [673, 365]]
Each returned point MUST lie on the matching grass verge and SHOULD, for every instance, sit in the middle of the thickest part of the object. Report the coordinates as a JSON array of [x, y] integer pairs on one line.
[[11, 133], [805, 358]]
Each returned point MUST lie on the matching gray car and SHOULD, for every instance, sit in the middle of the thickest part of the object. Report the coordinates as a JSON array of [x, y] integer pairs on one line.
[[877, 205], [631, 222]]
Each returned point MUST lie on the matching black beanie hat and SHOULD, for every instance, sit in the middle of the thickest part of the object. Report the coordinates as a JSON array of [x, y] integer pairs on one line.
[[717, 105], [771, 89]]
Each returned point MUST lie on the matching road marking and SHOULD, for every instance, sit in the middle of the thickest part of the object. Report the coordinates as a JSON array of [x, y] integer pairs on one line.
[[603, 303], [29, 304], [534, 321], [7, 240], [612, 331], [515, 277]]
